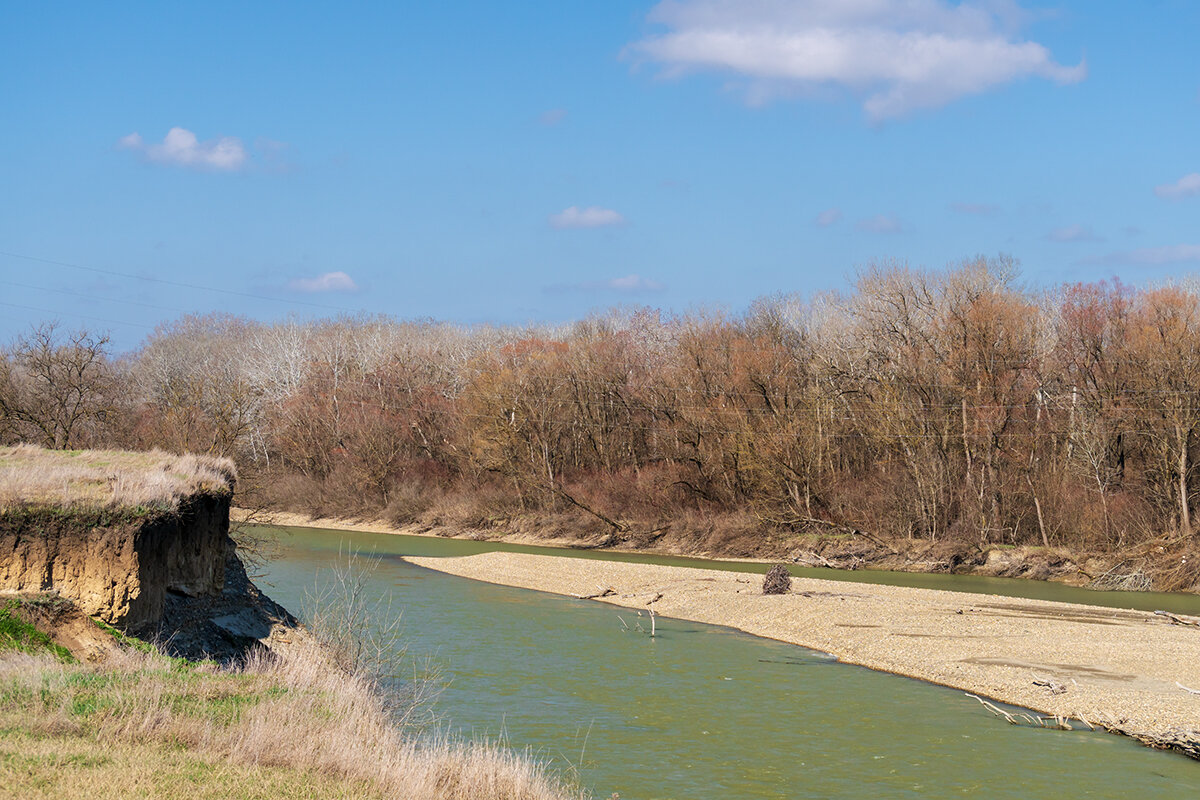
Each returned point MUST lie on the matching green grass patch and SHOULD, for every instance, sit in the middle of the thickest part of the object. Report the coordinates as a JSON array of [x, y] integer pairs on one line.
[[126, 641], [17, 634]]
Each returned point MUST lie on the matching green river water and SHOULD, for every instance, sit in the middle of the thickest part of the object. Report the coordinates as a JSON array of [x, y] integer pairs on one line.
[[703, 711]]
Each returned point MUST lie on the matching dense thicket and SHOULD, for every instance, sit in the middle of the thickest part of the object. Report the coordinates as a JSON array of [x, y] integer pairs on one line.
[[944, 405]]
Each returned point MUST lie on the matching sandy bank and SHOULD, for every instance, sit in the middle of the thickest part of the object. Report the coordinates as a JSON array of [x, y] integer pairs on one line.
[[288, 519], [1120, 668]]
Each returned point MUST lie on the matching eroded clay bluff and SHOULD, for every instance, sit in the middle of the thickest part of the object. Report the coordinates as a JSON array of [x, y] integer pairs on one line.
[[120, 568], [116, 532]]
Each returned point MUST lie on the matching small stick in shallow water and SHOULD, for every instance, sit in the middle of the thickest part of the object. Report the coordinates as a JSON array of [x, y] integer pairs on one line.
[[1000, 712]]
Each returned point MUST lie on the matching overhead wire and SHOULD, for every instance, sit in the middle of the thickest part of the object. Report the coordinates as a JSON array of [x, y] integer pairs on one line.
[[81, 316], [88, 296]]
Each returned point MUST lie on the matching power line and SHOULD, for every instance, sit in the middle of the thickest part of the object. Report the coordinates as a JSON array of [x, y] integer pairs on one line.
[[95, 297], [82, 316]]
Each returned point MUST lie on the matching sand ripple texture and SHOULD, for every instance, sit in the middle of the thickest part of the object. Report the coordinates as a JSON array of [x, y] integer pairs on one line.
[[1119, 668]]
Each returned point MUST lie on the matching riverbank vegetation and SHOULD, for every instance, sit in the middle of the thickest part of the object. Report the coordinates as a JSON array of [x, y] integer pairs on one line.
[[953, 409], [291, 723]]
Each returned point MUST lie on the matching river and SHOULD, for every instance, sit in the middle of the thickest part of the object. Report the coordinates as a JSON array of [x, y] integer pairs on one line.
[[701, 711]]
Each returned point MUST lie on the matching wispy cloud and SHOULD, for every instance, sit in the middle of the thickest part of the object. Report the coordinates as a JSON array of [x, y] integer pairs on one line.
[[326, 282], [897, 55], [975, 209], [180, 147], [880, 223], [1073, 233], [590, 217], [629, 284], [1187, 186], [634, 283], [553, 116], [828, 217], [1152, 256]]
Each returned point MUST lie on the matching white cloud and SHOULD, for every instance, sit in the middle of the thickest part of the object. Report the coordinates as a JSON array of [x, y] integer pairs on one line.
[[633, 283], [590, 217], [1186, 186], [1073, 233], [181, 147], [897, 55], [1153, 256], [828, 217], [880, 223], [977, 209], [1170, 254], [629, 284], [327, 282], [553, 116]]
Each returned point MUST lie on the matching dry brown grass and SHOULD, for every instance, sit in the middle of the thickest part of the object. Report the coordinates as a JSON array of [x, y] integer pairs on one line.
[[294, 711], [108, 478], [57, 766]]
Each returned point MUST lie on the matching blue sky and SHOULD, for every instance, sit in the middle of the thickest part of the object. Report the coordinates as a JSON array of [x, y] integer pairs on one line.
[[532, 161]]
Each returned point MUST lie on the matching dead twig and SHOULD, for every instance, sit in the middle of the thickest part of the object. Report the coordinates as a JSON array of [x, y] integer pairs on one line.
[[1054, 686], [995, 709], [811, 559], [1176, 620], [1022, 717]]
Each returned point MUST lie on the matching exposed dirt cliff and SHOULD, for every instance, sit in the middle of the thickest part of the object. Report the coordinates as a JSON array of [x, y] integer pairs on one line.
[[117, 566], [136, 540]]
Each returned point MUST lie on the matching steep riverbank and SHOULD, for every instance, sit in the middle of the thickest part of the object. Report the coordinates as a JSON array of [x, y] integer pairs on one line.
[[127, 620], [137, 540], [1118, 669]]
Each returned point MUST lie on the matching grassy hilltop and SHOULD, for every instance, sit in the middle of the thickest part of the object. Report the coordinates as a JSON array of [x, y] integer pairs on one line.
[[70, 480]]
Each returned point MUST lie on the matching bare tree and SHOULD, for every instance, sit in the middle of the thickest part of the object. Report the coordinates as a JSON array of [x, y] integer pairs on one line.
[[56, 387]]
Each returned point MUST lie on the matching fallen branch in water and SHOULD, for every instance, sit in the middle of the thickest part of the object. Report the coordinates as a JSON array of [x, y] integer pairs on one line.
[[605, 591], [637, 626], [995, 709], [1135, 580], [1022, 718]]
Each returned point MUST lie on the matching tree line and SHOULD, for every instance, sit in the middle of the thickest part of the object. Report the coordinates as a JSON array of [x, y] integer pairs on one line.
[[948, 405]]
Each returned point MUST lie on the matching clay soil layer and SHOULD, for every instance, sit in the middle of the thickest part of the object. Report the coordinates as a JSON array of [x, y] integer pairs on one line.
[[1120, 669]]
